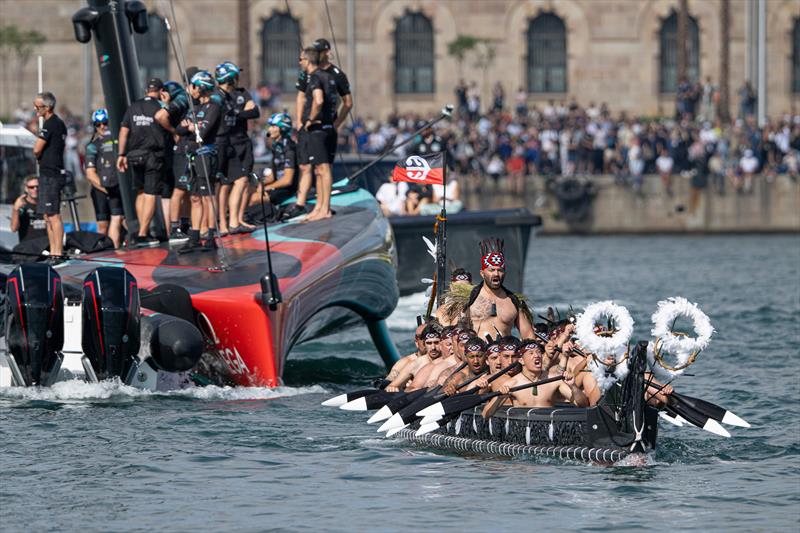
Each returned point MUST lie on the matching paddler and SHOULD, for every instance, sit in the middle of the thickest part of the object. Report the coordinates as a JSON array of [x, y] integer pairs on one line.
[[410, 358], [505, 351], [431, 336], [491, 308], [459, 340], [475, 356], [459, 276], [546, 395], [426, 377]]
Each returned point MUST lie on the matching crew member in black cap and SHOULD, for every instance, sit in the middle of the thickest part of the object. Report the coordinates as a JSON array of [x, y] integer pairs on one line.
[[142, 145], [341, 109], [342, 83]]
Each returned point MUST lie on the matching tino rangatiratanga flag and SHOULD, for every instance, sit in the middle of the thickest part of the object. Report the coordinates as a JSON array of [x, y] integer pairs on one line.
[[423, 169]]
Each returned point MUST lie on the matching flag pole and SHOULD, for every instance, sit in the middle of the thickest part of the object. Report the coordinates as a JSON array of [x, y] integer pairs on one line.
[[441, 247]]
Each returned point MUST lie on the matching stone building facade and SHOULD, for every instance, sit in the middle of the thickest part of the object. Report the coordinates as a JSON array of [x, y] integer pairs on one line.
[[610, 50]]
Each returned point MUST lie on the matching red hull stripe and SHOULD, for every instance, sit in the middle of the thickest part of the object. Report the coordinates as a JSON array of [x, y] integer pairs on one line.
[[97, 316], [19, 306]]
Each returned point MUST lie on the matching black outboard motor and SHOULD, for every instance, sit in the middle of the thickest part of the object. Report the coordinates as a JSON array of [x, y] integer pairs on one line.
[[111, 324], [34, 325]]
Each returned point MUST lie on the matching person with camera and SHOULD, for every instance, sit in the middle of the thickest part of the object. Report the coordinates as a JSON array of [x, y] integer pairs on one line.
[[25, 218]]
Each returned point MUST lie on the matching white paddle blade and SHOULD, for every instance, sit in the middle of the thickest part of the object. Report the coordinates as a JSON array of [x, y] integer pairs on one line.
[[436, 410], [382, 414], [336, 401], [429, 419], [671, 419], [712, 426], [359, 404], [427, 428], [733, 420], [396, 421]]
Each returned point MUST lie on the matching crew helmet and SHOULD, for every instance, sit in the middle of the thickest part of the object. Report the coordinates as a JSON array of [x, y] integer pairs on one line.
[[203, 81], [100, 116], [283, 121], [226, 72], [174, 89]]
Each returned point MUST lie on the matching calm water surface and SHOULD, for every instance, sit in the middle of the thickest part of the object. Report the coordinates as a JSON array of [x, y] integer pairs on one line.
[[106, 458]]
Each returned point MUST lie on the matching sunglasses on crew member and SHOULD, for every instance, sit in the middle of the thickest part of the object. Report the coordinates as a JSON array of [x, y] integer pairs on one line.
[[31, 187]]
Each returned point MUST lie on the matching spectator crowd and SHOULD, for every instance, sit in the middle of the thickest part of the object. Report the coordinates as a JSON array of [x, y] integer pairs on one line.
[[512, 142]]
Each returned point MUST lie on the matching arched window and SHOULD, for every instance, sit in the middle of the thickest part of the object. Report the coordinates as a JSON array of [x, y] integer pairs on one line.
[[152, 50], [796, 56], [547, 55], [668, 64], [280, 51], [413, 54]]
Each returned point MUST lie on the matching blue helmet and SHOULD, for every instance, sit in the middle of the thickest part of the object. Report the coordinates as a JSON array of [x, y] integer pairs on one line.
[[203, 81], [100, 116], [174, 89], [226, 72], [283, 121]]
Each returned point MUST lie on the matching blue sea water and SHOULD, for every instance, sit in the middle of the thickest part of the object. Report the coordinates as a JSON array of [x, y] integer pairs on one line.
[[107, 458]]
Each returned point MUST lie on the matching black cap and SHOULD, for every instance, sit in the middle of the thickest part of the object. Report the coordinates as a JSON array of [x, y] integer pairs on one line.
[[155, 84], [321, 44]]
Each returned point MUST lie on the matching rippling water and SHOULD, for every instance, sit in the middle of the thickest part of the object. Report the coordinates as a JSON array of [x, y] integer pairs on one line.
[[106, 457]]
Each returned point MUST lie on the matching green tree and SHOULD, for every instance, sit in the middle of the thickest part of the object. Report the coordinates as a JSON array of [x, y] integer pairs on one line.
[[458, 49]]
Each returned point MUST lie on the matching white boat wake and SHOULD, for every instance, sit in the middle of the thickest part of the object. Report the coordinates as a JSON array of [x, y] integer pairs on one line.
[[77, 391]]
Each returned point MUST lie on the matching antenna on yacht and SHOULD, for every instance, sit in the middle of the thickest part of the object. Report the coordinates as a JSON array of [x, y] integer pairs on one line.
[[270, 288]]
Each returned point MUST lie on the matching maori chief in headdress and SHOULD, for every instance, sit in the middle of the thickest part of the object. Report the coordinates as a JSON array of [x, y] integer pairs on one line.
[[489, 308]]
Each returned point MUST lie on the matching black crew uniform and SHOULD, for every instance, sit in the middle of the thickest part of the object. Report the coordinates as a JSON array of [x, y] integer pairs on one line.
[[342, 90], [284, 156], [51, 166], [319, 142], [204, 159], [178, 110], [101, 155], [234, 145], [31, 223], [146, 146]]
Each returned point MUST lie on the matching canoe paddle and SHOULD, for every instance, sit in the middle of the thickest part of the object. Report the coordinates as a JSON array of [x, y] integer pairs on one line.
[[409, 413], [342, 399], [395, 421], [337, 401], [707, 409], [715, 412], [458, 404], [695, 418], [401, 401], [396, 404]]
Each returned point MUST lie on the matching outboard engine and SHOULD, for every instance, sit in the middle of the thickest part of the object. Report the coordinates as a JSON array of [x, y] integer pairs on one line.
[[34, 324], [111, 324]]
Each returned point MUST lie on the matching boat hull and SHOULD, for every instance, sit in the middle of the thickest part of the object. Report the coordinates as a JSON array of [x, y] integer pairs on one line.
[[327, 270], [588, 434], [464, 231]]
